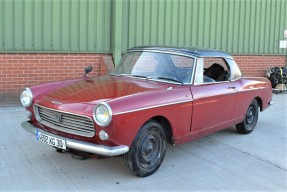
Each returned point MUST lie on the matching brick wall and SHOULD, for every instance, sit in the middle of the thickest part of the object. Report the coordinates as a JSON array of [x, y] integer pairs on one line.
[[256, 66], [21, 70]]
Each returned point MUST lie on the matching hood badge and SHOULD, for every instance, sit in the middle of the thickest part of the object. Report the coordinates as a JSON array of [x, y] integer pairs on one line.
[[58, 117], [56, 102]]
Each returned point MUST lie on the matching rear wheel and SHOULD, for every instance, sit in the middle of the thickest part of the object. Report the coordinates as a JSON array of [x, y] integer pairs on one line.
[[250, 120], [147, 151]]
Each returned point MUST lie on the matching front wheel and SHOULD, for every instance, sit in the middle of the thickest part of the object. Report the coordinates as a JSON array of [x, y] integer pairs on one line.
[[250, 120], [147, 150]]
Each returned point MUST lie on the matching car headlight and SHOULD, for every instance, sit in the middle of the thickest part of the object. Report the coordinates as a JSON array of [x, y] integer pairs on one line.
[[26, 97], [103, 114]]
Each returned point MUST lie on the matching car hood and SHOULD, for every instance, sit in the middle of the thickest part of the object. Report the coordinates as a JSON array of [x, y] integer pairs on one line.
[[93, 90]]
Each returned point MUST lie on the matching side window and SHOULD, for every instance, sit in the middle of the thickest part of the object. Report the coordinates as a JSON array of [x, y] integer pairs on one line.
[[211, 69], [183, 67]]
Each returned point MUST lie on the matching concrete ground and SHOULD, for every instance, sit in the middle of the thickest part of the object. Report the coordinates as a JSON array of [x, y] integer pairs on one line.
[[224, 161]]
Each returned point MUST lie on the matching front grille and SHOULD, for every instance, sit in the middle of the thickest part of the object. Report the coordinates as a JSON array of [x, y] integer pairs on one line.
[[65, 122]]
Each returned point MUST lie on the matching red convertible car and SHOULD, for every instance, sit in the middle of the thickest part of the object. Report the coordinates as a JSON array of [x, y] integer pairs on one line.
[[155, 96]]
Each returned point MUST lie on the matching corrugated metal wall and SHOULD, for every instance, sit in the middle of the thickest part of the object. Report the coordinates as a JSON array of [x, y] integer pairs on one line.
[[55, 25], [236, 26]]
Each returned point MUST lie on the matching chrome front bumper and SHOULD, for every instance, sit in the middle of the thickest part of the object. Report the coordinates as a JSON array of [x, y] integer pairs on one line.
[[80, 145]]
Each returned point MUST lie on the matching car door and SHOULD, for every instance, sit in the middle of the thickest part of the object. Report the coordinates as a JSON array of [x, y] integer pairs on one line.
[[213, 101]]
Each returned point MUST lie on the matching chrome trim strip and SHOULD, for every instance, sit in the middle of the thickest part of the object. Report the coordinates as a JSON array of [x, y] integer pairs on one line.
[[208, 83], [154, 106], [175, 51], [217, 82], [36, 112], [80, 145], [233, 80], [38, 118], [166, 52], [64, 111]]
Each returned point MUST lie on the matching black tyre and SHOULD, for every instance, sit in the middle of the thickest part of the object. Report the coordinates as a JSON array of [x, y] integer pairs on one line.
[[250, 120], [147, 150]]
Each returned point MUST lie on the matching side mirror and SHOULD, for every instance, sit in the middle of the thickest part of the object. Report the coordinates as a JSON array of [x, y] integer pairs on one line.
[[87, 70]]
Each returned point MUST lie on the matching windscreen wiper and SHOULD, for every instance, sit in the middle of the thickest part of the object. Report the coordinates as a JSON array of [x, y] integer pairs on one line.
[[170, 79], [134, 75]]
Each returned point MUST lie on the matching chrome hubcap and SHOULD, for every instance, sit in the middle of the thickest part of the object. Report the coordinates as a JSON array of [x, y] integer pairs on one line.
[[250, 115], [150, 149]]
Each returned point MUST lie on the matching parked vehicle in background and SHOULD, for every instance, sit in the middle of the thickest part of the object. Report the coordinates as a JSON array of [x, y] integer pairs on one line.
[[154, 97]]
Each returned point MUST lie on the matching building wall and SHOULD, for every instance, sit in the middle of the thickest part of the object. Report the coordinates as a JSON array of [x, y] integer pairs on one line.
[[257, 65], [55, 26], [235, 26], [19, 70]]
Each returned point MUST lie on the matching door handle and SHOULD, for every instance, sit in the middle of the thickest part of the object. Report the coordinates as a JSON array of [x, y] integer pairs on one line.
[[231, 88]]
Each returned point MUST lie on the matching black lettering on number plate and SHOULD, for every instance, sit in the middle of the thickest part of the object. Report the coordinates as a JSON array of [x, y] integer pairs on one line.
[[52, 141]]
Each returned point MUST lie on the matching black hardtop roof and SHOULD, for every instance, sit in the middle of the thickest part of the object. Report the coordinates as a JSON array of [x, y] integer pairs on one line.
[[185, 50]]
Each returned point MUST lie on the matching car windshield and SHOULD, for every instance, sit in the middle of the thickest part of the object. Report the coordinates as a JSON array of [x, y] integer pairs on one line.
[[156, 66]]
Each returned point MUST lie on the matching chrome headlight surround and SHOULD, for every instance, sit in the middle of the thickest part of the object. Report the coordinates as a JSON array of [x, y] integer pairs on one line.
[[103, 114], [26, 97]]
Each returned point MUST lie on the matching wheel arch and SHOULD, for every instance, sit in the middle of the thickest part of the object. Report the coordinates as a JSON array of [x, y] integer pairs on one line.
[[259, 101], [166, 126]]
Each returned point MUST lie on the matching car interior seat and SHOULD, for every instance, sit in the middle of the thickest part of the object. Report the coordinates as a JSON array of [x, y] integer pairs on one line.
[[216, 72]]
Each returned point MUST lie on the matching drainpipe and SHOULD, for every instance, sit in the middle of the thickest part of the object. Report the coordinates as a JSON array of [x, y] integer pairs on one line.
[[116, 40]]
